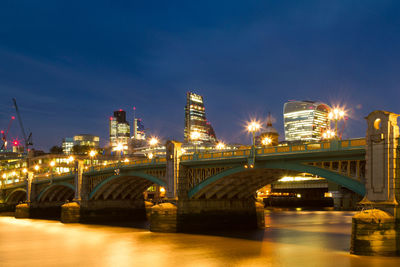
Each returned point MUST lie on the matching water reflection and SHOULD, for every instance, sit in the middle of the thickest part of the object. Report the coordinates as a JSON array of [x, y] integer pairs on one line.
[[292, 238]]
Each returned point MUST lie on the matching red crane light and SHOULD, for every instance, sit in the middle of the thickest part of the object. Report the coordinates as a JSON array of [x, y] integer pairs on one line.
[[16, 143], [12, 117]]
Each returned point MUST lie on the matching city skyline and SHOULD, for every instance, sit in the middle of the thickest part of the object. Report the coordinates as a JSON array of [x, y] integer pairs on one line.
[[244, 61]]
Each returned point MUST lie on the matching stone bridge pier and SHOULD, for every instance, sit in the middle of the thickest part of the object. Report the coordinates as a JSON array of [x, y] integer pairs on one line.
[[375, 230], [183, 214]]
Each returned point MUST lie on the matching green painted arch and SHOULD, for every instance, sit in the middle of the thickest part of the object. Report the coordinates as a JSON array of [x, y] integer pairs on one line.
[[14, 191], [53, 185], [132, 173], [337, 178]]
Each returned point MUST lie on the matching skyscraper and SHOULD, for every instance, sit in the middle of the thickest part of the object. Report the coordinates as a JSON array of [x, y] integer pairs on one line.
[[196, 121], [305, 120], [119, 129]]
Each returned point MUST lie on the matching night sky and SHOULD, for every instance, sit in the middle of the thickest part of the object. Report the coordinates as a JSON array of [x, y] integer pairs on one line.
[[70, 64]]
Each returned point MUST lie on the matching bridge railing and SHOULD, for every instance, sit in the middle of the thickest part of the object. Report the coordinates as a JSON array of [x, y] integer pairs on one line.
[[126, 164], [310, 147]]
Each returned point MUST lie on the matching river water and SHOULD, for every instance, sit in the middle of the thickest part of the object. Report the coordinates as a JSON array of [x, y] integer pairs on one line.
[[291, 238]]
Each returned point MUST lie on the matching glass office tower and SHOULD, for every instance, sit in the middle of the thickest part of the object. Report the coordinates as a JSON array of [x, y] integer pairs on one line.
[[195, 120], [305, 120]]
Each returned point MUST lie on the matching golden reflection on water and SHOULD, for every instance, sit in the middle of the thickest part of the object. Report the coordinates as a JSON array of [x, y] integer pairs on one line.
[[292, 238]]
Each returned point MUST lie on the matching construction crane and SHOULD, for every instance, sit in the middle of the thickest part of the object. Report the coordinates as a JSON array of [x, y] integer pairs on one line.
[[27, 141], [5, 133]]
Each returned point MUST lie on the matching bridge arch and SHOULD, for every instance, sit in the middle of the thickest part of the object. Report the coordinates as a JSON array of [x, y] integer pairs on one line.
[[129, 185], [264, 174], [17, 195], [57, 192]]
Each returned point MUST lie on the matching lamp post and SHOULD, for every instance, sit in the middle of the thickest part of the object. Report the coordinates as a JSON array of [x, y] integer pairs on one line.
[[92, 154], [336, 114], [253, 127], [52, 164]]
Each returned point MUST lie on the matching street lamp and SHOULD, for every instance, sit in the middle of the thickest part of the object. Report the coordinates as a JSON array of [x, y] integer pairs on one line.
[[266, 141], [195, 136], [92, 154], [253, 127], [153, 141], [220, 146], [336, 114], [328, 134], [52, 164]]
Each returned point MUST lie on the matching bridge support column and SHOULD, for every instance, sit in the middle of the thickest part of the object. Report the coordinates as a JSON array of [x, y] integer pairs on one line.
[[375, 230], [210, 214], [22, 211], [71, 212]]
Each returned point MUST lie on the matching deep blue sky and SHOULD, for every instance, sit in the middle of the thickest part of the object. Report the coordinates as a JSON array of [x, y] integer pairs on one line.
[[71, 63]]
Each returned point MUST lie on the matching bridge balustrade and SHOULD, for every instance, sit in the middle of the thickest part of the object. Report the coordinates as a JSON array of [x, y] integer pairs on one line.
[[312, 147]]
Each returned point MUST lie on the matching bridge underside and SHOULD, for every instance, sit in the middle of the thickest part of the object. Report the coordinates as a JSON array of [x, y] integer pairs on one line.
[[241, 185]]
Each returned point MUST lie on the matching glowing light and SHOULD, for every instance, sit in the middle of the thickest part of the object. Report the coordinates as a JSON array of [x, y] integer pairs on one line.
[[298, 195], [150, 155], [183, 151], [52, 163], [24, 170], [13, 173], [92, 153], [120, 147], [336, 114], [153, 141], [126, 160], [220, 146], [266, 141], [297, 179], [194, 135], [328, 134], [70, 159], [4, 176], [36, 167], [253, 126], [328, 194], [162, 189]]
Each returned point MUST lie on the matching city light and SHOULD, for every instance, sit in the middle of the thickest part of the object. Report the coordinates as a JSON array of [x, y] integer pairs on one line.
[[120, 147], [126, 160], [150, 155], [162, 189], [52, 163], [194, 136], [266, 141], [328, 134], [253, 126], [153, 141], [92, 153], [24, 170], [220, 146], [36, 167], [4, 176], [336, 114], [70, 159]]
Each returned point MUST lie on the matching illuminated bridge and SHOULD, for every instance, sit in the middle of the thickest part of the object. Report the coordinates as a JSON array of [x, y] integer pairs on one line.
[[217, 190], [225, 177]]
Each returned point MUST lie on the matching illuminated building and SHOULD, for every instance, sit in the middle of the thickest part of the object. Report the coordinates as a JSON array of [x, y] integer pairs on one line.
[[119, 129], [139, 132], [87, 140], [67, 145], [305, 120], [80, 140], [195, 120]]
